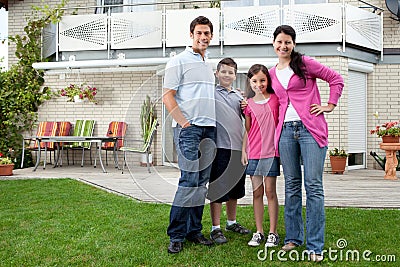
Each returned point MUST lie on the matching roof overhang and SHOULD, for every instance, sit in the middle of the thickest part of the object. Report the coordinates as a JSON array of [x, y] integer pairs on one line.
[[138, 64]]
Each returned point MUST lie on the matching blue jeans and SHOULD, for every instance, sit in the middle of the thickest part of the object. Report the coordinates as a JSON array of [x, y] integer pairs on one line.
[[296, 144], [196, 150]]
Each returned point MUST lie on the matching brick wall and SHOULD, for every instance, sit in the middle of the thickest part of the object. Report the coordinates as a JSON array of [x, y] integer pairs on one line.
[[337, 120], [120, 96], [383, 97]]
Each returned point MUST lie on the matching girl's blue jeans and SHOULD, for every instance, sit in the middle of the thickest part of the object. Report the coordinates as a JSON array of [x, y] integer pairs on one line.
[[296, 146]]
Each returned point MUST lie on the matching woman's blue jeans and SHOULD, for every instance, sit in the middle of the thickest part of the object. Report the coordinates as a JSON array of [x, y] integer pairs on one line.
[[296, 146], [196, 150]]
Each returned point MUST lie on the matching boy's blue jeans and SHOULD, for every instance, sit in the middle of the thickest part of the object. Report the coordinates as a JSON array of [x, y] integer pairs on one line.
[[295, 143], [196, 150]]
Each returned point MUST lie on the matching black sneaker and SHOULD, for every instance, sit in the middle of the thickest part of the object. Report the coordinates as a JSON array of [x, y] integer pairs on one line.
[[237, 228], [218, 237], [175, 247], [201, 240]]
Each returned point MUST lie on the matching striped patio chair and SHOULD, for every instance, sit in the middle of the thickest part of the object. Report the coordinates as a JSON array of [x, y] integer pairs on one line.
[[143, 149], [63, 129], [81, 128], [45, 128], [115, 128]]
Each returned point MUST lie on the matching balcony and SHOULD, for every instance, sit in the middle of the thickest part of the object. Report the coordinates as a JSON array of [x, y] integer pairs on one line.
[[137, 38]]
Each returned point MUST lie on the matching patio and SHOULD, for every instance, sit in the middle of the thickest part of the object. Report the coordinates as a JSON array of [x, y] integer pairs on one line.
[[355, 188]]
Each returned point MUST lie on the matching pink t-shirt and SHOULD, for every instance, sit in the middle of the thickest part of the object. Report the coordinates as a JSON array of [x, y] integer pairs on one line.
[[264, 118]]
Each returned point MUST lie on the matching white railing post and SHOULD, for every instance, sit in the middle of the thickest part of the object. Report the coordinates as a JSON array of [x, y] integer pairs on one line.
[[344, 27], [221, 31], [57, 39], [108, 33], [164, 27]]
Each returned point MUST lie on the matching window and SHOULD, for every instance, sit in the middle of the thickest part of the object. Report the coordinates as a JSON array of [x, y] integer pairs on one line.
[[130, 6]]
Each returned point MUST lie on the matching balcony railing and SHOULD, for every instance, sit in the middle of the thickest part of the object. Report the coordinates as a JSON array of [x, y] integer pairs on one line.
[[314, 23]]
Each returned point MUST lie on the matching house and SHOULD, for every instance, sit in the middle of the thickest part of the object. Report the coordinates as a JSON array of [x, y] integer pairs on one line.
[[121, 47]]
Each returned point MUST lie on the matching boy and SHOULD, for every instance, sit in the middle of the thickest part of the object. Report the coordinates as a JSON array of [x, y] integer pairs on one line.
[[227, 177]]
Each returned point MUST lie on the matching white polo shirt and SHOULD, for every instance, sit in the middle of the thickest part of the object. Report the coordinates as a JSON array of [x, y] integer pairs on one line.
[[193, 79]]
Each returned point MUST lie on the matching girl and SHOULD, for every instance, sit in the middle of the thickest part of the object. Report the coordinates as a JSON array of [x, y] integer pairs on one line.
[[261, 118], [302, 133]]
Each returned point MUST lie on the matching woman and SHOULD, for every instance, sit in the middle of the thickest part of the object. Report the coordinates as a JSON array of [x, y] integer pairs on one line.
[[302, 138]]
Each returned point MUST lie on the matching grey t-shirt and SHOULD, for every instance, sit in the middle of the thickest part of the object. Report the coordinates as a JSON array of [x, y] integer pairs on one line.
[[229, 118]]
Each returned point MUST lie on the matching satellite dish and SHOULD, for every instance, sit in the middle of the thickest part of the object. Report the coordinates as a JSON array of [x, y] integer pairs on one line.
[[394, 7]]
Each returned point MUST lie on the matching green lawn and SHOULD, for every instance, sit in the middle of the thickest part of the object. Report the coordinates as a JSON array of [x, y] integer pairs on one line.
[[67, 223]]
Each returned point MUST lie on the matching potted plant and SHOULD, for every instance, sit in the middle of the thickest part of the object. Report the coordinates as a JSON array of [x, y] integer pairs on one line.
[[6, 166], [79, 93], [389, 131], [147, 117], [338, 158]]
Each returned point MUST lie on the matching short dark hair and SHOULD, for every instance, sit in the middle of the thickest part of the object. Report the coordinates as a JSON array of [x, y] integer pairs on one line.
[[201, 20], [256, 68], [229, 62]]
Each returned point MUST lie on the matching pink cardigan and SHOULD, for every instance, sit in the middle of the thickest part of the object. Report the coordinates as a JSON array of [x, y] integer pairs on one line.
[[302, 96]]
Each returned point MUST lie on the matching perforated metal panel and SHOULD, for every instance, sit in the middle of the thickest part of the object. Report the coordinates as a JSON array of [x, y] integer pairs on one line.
[[178, 21], [83, 32], [363, 28], [250, 25], [49, 40], [315, 23], [136, 30]]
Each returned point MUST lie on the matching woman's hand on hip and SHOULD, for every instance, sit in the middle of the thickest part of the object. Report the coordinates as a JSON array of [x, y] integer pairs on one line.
[[318, 109]]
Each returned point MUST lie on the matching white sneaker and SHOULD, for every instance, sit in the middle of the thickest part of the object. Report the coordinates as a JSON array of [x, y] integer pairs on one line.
[[272, 240], [256, 239]]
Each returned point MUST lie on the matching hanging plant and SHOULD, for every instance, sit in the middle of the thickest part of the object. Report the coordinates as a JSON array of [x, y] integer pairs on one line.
[[81, 92]]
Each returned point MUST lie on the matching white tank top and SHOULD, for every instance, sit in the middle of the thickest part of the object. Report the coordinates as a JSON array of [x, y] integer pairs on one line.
[[284, 76]]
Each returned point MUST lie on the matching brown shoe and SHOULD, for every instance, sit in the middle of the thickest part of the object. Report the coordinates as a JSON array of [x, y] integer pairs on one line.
[[201, 240], [289, 246], [175, 247], [316, 257]]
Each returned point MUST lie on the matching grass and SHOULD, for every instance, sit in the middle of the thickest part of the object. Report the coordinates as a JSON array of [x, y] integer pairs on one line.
[[66, 223]]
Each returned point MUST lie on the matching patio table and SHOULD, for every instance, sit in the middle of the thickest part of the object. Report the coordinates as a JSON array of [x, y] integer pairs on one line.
[[69, 139]]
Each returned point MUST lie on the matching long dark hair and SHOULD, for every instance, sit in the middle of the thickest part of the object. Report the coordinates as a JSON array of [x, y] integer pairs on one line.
[[256, 68], [296, 58]]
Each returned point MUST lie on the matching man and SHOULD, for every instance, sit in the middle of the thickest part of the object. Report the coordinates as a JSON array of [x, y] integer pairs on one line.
[[189, 98]]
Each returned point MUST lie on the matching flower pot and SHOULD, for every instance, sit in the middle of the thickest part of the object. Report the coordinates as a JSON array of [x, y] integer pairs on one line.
[[390, 139], [77, 99], [338, 164], [6, 169]]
